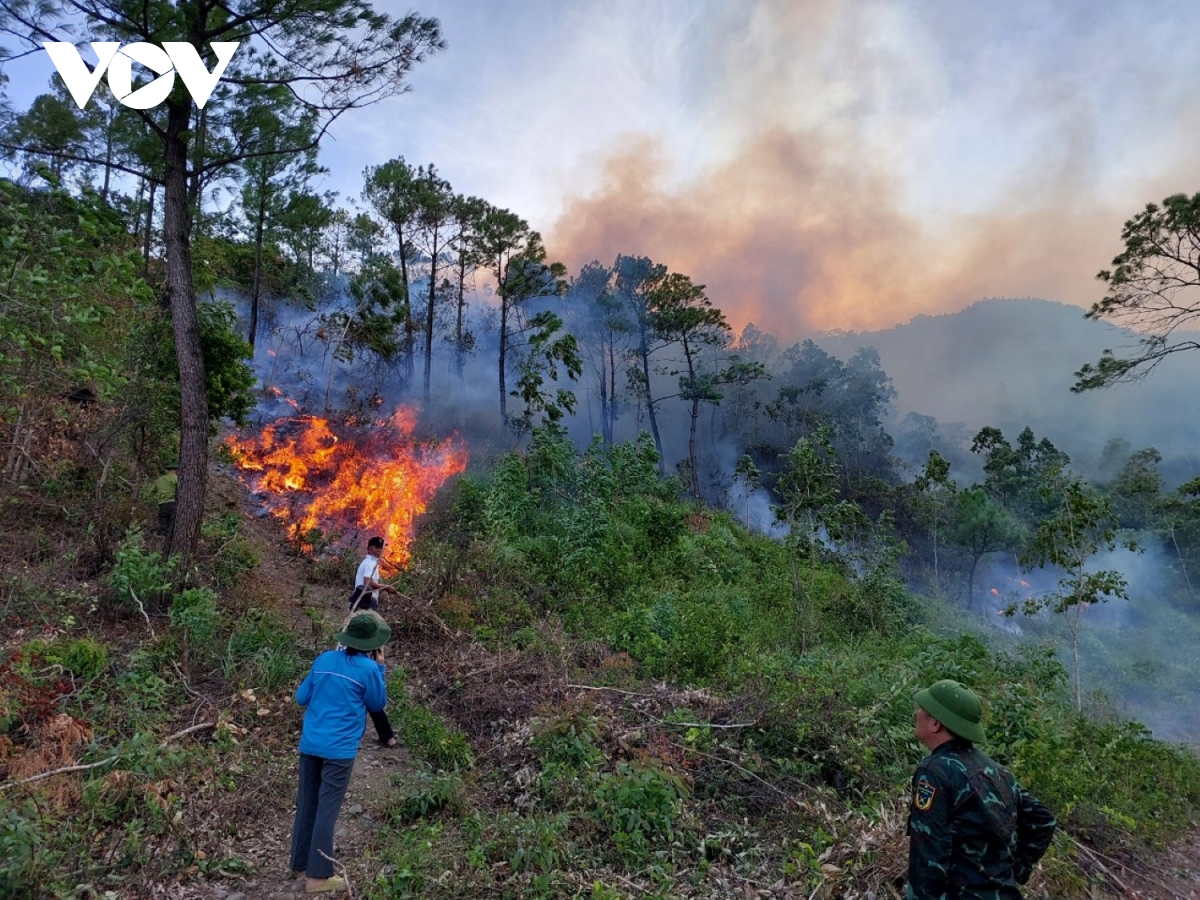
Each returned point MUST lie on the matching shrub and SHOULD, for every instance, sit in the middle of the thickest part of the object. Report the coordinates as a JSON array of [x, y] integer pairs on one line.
[[194, 612], [232, 554], [431, 740], [423, 794], [85, 658], [30, 854], [138, 575], [569, 741], [261, 650], [640, 808]]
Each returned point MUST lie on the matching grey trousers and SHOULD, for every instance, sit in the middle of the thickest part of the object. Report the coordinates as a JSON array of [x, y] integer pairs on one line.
[[319, 798]]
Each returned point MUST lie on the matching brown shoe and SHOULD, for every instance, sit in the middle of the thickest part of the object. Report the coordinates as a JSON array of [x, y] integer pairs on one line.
[[325, 885]]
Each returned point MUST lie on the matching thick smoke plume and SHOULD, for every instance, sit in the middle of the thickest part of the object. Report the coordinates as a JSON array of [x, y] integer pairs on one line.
[[857, 165]]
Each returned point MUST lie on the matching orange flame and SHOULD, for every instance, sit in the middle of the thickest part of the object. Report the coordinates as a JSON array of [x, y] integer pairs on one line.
[[372, 483]]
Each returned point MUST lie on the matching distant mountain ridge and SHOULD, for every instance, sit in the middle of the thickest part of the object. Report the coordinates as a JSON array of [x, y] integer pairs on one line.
[[1011, 363]]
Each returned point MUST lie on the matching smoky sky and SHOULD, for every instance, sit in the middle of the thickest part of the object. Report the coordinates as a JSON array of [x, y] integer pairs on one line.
[[866, 162], [818, 164]]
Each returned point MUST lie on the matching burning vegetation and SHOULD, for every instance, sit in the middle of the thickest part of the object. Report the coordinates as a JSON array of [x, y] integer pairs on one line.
[[317, 476]]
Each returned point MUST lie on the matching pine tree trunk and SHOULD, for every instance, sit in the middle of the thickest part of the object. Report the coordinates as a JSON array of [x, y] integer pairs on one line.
[[256, 287], [458, 323], [503, 354], [429, 318], [193, 418], [149, 225], [644, 353], [408, 322]]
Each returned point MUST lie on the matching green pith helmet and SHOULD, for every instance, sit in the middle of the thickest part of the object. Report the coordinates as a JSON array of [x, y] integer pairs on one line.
[[364, 633], [173, 464], [955, 706]]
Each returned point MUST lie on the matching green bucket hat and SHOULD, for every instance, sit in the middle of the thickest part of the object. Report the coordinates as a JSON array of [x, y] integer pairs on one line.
[[365, 633], [955, 706]]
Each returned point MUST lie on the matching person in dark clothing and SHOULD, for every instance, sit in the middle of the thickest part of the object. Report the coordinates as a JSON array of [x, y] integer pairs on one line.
[[974, 832], [342, 685], [164, 489]]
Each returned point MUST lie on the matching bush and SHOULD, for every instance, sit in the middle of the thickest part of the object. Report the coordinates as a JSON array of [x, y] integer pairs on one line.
[[640, 808], [261, 651], [138, 575], [232, 554], [194, 612], [85, 658], [568, 741], [428, 737], [424, 794]]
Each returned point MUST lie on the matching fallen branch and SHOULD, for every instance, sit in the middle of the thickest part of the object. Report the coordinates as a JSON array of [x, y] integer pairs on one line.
[[1095, 857], [201, 727], [784, 794], [142, 610], [183, 678], [340, 868], [426, 609], [695, 724], [62, 771], [626, 881], [588, 687]]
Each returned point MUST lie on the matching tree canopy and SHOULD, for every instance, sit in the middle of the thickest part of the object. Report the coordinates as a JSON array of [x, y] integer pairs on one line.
[[1153, 289]]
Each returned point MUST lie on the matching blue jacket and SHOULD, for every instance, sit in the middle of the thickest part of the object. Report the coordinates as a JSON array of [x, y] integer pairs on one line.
[[337, 692]]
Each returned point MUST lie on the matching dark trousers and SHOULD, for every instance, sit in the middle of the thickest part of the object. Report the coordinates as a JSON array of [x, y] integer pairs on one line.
[[383, 726], [166, 522], [323, 785]]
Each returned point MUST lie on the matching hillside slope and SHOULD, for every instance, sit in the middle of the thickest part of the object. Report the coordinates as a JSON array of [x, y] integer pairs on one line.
[[1010, 363]]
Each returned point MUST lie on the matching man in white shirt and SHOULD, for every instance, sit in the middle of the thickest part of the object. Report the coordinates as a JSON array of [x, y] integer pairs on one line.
[[366, 580]]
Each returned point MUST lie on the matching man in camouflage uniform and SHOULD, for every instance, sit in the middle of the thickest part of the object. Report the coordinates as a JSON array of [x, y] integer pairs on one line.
[[974, 833]]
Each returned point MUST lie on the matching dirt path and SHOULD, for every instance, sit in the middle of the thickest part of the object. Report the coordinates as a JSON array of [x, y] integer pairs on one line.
[[268, 844], [279, 583]]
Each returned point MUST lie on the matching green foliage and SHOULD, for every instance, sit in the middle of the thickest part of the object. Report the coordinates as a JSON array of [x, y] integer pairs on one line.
[[540, 363], [1016, 475], [589, 523], [431, 741], [138, 575], [1152, 289], [232, 554], [228, 379], [84, 658], [421, 795], [981, 526], [70, 268], [427, 736], [568, 741], [640, 807], [1081, 526], [23, 853], [261, 651], [689, 638], [194, 613]]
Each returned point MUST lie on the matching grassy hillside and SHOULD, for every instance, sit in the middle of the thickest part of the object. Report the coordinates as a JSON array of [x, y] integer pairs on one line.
[[630, 696]]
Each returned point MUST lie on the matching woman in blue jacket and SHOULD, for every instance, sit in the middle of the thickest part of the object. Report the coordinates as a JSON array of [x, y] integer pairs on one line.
[[342, 685]]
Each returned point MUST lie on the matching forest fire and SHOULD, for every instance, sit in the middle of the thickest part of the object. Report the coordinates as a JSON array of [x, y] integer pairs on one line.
[[348, 485]]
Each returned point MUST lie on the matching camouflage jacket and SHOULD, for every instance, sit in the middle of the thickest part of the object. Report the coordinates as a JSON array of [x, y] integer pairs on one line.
[[974, 833]]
